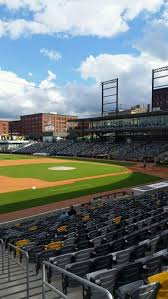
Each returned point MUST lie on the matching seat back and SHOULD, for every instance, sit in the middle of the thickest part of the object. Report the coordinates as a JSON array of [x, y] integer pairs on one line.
[[102, 262], [79, 268], [153, 244], [104, 278], [148, 291], [139, 252], [129, 273], [153, 266], [102, 249], [82, 254], [97, 241], [54, 245], [69, 242], [117, 245], [122, 257]]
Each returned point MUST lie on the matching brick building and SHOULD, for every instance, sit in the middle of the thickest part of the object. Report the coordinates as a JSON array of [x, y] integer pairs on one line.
[[41, 125], [15, 127], [160, 99], [4, 127]]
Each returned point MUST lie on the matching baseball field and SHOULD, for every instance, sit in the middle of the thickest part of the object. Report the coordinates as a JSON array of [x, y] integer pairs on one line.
[[28, 181]]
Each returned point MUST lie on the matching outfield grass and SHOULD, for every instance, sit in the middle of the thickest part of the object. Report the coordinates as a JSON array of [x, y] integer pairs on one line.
[[22, 157], [40, 171], [14, 201], [120, 163], [16, 157], [24, 199]]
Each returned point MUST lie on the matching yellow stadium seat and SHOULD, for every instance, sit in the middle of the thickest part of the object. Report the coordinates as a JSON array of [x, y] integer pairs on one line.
[[117, 220], [21, 243], [33, 228], [17, 225], [162, 278], [86, 218], [62, 229], [55, 245]]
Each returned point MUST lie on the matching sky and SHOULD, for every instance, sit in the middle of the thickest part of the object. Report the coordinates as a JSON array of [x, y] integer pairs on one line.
[[55, 53]]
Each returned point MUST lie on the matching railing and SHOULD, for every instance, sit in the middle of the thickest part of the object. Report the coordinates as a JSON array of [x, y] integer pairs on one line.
[[2, 258], [81, 280], [10, 246]]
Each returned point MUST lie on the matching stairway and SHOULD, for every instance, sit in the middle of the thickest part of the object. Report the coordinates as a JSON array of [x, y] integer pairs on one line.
[[17, 287]]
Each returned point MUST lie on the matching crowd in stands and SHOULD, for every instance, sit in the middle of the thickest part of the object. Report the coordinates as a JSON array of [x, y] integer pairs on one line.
[[121, 244], [119, 151]]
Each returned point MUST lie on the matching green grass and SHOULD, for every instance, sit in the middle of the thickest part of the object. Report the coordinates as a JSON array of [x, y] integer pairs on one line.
[[40, 171], [19, 200], [121, 163], [21, 157], [14, 201], [15, 157]]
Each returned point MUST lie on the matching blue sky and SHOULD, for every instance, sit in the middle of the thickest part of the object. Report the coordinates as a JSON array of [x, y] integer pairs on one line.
[[64, 49]]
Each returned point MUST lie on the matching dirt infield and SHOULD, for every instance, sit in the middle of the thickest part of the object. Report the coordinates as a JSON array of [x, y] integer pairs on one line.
[[152, 170], [9, 184]]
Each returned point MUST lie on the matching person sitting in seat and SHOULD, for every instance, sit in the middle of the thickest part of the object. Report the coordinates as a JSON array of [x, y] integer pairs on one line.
[[63, 216], [72, 211]]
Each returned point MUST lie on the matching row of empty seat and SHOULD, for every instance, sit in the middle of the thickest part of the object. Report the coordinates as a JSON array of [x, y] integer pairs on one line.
[[119, 151], [113, 243]]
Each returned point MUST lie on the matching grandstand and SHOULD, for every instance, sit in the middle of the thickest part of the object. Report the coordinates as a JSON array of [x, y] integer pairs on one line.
[[104, 249], [110, 247], [136, 151], [117, 137]]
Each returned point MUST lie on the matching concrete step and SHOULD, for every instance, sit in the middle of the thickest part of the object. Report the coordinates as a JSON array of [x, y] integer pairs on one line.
[[16, 273], [22, 280], [18, 288], [49, 295], [35, 293]]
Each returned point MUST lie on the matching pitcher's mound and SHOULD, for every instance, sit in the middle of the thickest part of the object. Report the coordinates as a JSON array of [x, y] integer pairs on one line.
[[61, 168]]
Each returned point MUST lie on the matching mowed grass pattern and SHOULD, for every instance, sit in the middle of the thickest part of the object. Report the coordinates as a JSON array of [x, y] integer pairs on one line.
[[41, 171], [20, 200], [16, 157]]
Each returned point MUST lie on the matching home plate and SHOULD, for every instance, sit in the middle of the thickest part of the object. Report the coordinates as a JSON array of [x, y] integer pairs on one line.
[[61, 168]]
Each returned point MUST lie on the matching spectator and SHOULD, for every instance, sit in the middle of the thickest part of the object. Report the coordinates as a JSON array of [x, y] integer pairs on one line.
[[72, 211], [63, 216]]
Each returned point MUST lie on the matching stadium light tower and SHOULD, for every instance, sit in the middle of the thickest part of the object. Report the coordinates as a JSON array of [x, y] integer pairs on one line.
[[159, 82], [110, 96]]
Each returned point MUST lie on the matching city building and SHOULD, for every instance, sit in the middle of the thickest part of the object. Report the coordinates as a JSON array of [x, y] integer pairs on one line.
[[4, 127], [44, 126], [160, 99], [139, 109]]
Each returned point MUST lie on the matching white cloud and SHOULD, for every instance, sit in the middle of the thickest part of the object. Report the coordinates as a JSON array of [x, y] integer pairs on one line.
[[48, 82], [21, 27], [51, 54], [30, 74], [71, 17], [155, 40], [19, 96], [134, 73], [34, 5]]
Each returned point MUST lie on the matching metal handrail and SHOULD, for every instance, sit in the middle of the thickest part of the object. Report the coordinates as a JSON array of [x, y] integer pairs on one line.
[[71, 275], [2, 258], [26, 268]]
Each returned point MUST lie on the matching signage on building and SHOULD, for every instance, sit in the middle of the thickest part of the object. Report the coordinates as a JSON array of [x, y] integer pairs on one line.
[[49, 127]]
